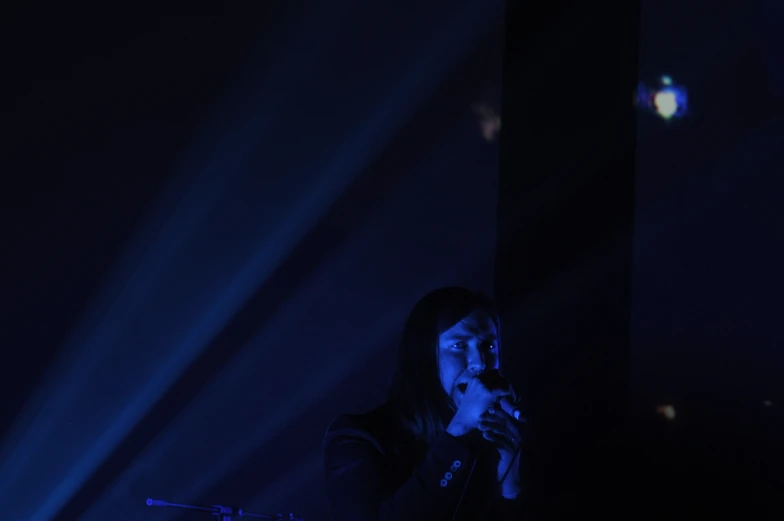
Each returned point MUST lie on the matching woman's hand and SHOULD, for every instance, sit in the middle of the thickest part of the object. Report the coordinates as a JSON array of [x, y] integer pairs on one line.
[[505, 433]]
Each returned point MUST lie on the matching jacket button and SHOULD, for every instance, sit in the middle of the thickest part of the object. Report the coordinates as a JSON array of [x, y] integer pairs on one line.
[[448, 475], [457, 464], [444, 483]]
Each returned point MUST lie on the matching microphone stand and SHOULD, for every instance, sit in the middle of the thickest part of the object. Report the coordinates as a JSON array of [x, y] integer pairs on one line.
[[224, 513]]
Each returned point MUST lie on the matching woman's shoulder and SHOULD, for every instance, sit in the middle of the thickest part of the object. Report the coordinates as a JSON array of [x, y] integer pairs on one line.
[[379, 427], [372, 423]]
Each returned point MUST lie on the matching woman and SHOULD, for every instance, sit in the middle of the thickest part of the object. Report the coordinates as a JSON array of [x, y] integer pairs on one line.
[[443, 446]]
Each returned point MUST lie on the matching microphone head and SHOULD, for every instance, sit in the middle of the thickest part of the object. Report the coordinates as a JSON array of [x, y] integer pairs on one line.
[[511, 408]]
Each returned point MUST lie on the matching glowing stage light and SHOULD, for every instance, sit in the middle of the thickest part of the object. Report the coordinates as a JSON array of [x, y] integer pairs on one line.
[[666, 104], [668, 411], [489, 120], [667, 101]]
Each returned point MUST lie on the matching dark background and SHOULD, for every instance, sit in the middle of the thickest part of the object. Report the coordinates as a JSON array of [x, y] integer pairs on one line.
[[707, 275], [653, 248]]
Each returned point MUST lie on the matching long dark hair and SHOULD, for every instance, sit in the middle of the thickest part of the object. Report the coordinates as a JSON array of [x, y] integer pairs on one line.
[[416, 395]]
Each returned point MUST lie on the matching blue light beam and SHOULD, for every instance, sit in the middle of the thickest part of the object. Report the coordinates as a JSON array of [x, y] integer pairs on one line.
[[335, 299]]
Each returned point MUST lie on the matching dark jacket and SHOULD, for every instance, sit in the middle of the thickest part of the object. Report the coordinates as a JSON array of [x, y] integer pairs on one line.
[[373, 475]]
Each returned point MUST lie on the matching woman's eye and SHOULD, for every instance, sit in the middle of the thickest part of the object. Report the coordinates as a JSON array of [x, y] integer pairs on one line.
[[491, 347], [459, 345]]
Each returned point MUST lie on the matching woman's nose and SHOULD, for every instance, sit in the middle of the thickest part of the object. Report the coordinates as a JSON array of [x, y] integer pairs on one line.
[[477, 364]]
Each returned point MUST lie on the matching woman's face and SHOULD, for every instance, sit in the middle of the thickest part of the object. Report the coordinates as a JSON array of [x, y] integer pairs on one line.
[[468, 348]]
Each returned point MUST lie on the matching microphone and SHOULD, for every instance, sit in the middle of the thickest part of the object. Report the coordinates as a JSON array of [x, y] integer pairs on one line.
[[510, 408], [495, 380]]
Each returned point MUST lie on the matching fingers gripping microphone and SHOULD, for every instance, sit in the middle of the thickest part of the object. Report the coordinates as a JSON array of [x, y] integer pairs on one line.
[[495, 380]]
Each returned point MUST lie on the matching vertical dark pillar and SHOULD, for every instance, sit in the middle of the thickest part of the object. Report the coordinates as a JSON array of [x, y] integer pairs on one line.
[[563, 269]]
